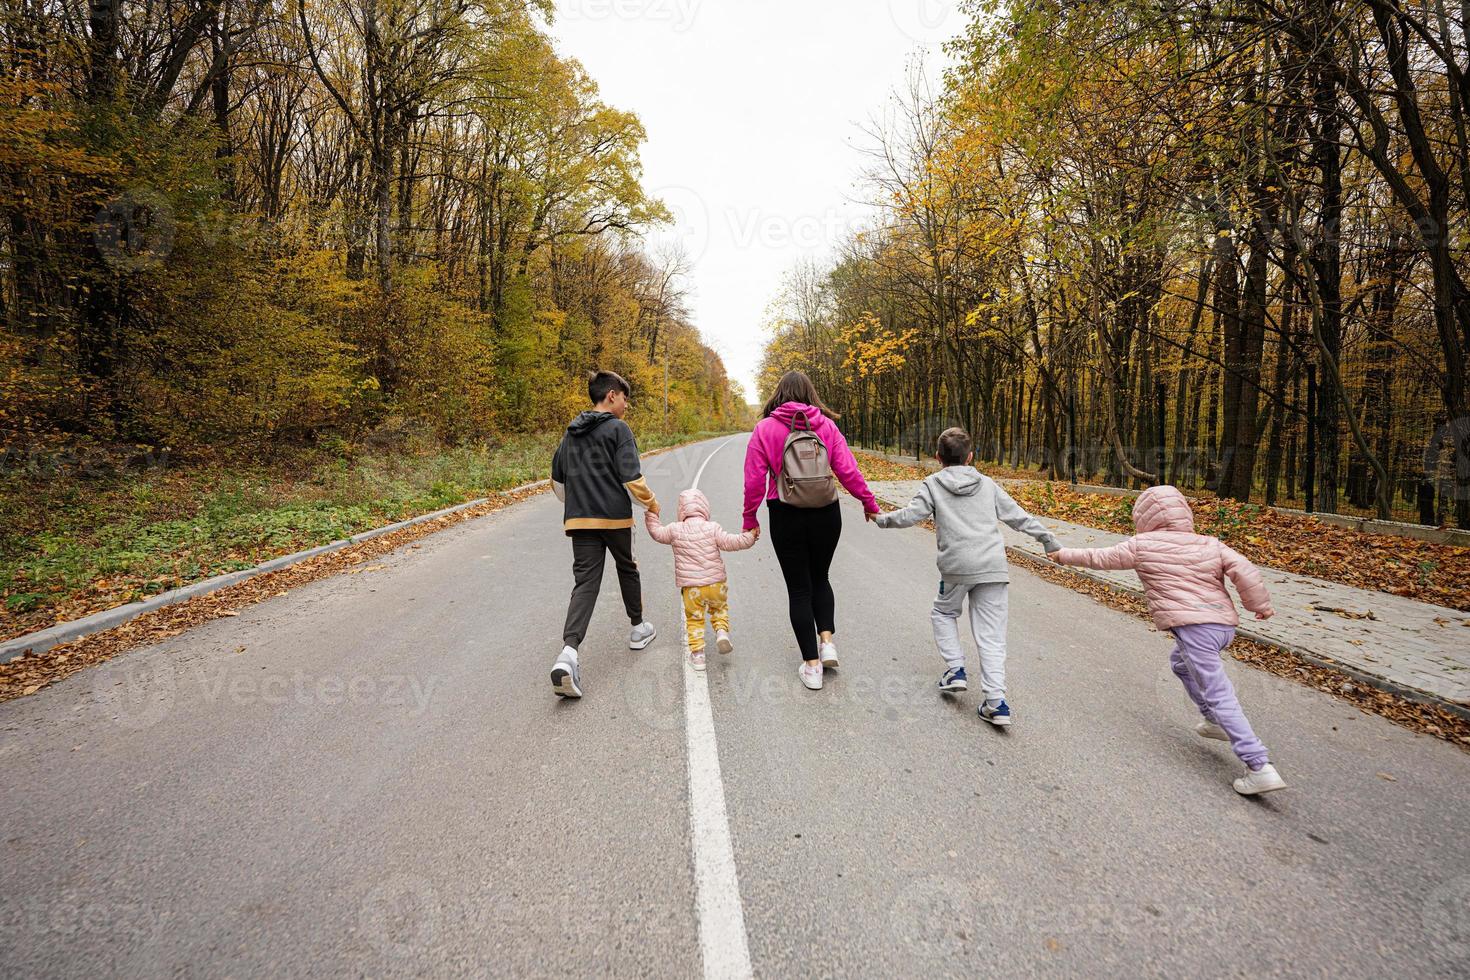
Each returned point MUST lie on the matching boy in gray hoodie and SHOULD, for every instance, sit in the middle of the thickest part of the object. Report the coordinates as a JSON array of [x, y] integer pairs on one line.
[[967, 508]]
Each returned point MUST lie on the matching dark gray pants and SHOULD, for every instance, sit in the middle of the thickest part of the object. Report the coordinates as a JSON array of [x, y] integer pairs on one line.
[[589, 552]]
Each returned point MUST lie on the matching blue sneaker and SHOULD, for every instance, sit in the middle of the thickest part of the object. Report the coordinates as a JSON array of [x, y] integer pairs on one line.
[[954, 680], [997, 714]]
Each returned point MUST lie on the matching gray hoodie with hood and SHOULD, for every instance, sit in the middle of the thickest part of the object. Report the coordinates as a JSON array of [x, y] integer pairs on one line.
[[967, 508]]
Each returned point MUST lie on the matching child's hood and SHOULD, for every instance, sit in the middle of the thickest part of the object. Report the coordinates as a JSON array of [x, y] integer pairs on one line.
[[588, 422], [693, 503], [962, 481], [1162, 509]]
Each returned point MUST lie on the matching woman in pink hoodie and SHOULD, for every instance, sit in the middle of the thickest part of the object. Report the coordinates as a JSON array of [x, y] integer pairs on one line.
[[1183, 576], [699, 571], [805, 539]]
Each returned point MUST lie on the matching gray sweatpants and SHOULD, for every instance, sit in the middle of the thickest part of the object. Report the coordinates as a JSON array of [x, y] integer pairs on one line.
[[987, 623]]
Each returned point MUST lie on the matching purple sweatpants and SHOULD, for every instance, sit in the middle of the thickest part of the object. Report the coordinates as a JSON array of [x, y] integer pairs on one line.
[[1196, 662]]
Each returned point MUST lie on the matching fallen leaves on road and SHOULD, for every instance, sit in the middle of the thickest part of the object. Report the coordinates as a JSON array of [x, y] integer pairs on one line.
[[1391, 779], [369, 568], [1295, 543], [28, 674], [1346, 613], [1426, 719], [877, 469]]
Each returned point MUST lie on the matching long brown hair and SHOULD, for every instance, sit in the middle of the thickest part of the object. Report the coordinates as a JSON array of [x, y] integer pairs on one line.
[[795, 386]]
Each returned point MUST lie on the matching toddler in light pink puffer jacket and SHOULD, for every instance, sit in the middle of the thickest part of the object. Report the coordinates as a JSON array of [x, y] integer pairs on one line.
[[1183, 576], [699, 571]]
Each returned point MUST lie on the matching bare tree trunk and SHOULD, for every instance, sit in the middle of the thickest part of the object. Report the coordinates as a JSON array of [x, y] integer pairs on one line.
[[1247, 358], [1274, 448]]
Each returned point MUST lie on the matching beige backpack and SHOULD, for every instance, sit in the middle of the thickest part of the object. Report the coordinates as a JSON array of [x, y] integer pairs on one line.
[[806, 470]]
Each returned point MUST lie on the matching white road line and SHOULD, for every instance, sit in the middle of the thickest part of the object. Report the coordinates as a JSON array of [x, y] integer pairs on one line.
[[700, 474], [716, 883]]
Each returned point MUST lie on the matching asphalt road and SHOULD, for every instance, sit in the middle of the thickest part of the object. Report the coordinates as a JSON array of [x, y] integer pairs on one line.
[[371, 777]]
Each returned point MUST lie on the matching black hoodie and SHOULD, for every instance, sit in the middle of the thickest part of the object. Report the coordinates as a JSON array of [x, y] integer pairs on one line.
[[594, 470]]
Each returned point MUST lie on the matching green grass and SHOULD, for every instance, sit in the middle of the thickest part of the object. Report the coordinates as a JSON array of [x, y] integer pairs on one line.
[[69, 547]]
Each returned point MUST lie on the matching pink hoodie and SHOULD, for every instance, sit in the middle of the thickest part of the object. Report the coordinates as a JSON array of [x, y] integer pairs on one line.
[[697, 541], [763, 458], [1183, 573]]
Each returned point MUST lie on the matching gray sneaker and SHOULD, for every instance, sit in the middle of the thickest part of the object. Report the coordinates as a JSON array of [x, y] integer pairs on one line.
[[565, 675], [641, 636]]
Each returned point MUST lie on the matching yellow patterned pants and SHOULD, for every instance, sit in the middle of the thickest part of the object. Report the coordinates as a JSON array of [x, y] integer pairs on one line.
[[698, 599]]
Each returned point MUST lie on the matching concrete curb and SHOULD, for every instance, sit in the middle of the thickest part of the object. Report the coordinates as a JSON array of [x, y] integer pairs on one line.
[[1316, 659], [54, 636], [1244, 631]]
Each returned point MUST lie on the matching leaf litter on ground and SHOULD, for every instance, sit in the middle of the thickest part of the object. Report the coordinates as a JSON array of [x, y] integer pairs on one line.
[[34, 671], [1295, 543], [1416, 716]]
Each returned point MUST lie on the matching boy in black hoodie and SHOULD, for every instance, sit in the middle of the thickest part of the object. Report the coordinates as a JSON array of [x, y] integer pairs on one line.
[[597, 475]]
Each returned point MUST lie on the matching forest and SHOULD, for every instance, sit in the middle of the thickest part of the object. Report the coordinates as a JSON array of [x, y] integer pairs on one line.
[[1216, 244], [277, 273], [240, 229]]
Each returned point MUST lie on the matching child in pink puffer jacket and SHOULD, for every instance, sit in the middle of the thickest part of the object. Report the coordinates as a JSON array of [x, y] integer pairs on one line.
[[1183, 575], [699, 571]]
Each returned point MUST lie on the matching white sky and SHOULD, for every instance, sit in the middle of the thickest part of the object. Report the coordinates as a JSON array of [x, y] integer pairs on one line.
[[752, 109]]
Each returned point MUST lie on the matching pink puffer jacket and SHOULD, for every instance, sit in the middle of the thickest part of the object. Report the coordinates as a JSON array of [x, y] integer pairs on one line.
[[1183, 573], [697, 541]]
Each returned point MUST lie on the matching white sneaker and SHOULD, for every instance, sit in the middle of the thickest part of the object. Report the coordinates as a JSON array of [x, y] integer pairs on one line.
[[722, 642], [1208, 729], [641, 636], [565, 675], [811, 676], [696, 659], [1263, 780], [829, 655]]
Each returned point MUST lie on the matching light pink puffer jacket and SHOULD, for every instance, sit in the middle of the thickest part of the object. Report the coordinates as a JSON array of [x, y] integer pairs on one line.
[[1183, 573], [697, 541]]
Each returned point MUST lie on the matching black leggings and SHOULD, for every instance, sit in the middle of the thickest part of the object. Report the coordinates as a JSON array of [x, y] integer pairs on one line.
[[805, 540]]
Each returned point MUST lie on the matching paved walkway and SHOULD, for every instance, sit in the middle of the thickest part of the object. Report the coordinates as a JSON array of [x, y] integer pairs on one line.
[[1411, 647]]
